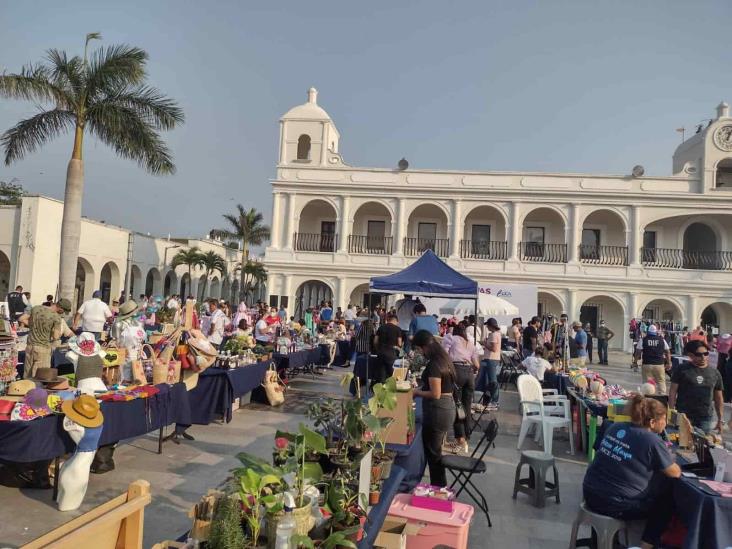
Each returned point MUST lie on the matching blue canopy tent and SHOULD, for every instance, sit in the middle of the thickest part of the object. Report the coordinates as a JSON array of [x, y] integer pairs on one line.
[[429, 276]]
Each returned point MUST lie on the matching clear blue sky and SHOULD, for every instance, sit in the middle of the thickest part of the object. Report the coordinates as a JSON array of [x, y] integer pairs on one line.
[[564, 86]]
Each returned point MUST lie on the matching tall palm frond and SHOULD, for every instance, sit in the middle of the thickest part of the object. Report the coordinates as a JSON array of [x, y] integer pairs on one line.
[[105, 94]]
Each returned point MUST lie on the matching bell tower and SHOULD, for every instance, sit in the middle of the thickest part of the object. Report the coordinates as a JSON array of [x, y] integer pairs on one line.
[[308, 136]]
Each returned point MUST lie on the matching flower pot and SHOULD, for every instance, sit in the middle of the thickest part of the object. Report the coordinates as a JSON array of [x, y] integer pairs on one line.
[[278, 460], [374, 497], [304, 520], [386, 468], [376, 471]]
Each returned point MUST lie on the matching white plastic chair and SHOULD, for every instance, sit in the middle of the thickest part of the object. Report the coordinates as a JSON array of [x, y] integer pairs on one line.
[[546, 412]]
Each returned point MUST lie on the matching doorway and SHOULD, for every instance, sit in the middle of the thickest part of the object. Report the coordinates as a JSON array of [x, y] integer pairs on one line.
[[589, 314]]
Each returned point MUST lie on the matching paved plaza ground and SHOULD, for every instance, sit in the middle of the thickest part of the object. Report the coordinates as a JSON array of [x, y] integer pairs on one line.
[[184, 472]]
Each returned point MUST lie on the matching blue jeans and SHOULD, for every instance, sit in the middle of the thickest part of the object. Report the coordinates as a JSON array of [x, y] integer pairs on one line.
[[487, 380]]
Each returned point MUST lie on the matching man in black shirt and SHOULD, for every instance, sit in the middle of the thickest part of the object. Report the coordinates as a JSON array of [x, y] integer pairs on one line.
[[696, 389], [16, 303], [530, 336], [388, 340]]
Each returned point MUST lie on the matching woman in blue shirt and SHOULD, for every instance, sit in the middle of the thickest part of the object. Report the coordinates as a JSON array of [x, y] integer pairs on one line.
[[629, 478]]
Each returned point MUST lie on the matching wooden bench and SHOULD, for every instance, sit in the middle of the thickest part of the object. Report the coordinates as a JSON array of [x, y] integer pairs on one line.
[[117, 524]]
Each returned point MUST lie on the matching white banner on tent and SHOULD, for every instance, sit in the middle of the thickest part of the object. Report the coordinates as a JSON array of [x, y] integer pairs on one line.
[[523, 297]]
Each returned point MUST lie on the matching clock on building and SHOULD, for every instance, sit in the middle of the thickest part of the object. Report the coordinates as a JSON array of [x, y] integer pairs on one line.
[[723, 137]]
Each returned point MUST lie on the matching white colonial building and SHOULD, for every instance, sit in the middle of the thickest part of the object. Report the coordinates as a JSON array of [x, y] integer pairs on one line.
[[597, 246], [30, 239]]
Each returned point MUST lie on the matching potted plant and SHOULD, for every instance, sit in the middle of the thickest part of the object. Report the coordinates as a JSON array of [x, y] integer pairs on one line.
[[336, 540], [282, 451], [324, 416], [258, 494], [226, 528], [374, 491]]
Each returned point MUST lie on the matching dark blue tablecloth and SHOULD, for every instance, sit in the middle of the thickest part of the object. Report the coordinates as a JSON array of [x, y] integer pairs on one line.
[[378, 512], [343, 350], [553, 380], [411, 458], [707, 517], [217, 389], [41, 439]]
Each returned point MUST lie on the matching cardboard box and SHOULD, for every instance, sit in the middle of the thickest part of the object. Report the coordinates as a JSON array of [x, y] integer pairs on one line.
[[397, 432], [394, 532]]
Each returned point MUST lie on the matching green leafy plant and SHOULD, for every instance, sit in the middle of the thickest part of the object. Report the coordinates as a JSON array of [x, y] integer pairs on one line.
[[308, 440], [385, 396], [324, 415], [226, 531], [258, 493]]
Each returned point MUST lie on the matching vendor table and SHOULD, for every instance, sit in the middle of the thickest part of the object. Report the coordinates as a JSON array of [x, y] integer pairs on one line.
[[558, 381], [588, 430], [411, 458], [45, 439], [343, 350], [298, 361], [707, 517], [218, 388], [378, 512]]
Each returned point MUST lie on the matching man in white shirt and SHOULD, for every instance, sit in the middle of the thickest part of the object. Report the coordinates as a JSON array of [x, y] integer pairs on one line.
[[172, 303], [93, 313], [536, 365], [217, 324]]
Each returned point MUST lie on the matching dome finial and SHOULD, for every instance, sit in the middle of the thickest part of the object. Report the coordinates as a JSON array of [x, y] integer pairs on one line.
[[313, 96], [723, 110]]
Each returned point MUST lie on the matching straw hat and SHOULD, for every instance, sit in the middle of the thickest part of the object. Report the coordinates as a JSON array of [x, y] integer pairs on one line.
[[127, 309], [84, 410], [18, 389]]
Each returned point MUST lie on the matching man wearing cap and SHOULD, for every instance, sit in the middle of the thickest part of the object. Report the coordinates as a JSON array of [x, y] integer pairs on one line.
[[656, 356], [46, 327], [580, 341], [93, 313]]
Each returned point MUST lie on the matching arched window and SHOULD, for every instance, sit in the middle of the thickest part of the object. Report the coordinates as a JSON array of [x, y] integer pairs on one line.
[[303, 147], [724, 174]]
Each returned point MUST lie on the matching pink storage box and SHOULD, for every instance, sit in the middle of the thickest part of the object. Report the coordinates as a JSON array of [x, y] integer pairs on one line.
[[430, 502], [435, 527]]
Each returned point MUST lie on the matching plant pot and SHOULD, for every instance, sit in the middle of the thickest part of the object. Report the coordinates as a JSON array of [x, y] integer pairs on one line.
[[341, 463], [304, 520], [376, 471], [374, 497], [386, 469], [277, 460]]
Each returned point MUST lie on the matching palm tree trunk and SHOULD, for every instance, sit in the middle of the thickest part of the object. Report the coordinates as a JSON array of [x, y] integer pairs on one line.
[[244, 259], [205, 285], [71, 227]]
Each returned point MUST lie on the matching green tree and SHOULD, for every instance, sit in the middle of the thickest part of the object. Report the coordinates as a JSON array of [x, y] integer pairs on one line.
[[253, 274], [192, 258], [11, 193], [245, 227], [103, 94], [211, 261]]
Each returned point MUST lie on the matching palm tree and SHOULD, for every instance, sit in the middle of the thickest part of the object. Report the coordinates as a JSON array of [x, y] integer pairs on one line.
[[245, 227], [104, 94], [253, 274], [191, 257], [211, 261]]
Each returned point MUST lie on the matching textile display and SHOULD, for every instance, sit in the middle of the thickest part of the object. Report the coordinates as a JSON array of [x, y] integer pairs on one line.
[[708, 517]]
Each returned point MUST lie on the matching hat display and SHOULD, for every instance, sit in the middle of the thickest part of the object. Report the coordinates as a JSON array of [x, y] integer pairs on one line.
[[37, 399], [127, 309], [65, 304], [84, 410], [18, 389], [85, 344], [61, 385], [47, 375]]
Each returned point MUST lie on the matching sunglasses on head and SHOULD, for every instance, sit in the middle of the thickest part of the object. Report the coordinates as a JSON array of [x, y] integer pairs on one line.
[[705, 353]]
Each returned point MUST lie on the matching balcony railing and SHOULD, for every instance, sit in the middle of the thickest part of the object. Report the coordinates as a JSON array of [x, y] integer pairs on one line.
[[364, 244], [671, 258], [484, 249], [603, 255], [416, 246], [321, 242], [542, 253]]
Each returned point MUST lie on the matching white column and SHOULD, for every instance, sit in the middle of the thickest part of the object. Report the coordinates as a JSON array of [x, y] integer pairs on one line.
[[401, 227], [573, 234], [276, 221], [323, 146], [693, 316], [631, 311], [572, 310], [283, 142], [456, 235], [289, 225], [341, 294], [636, 238], [343, 229], [514, 231]]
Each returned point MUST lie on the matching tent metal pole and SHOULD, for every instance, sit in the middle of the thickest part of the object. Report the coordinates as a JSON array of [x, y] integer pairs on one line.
[[475, 326]]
